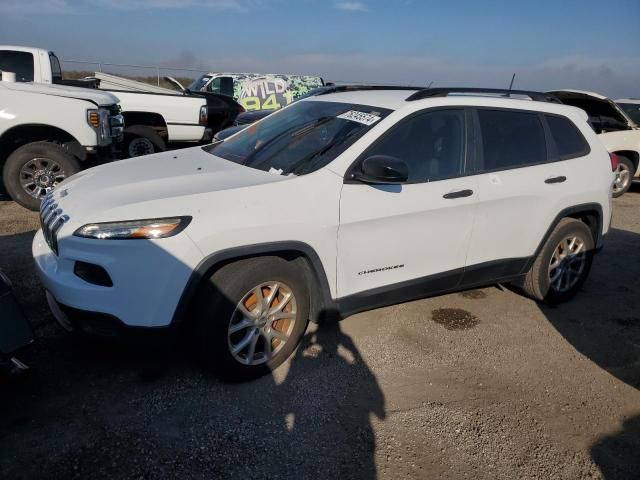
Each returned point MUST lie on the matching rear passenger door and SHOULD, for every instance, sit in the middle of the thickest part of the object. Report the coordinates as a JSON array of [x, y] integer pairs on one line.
[[521, 182]]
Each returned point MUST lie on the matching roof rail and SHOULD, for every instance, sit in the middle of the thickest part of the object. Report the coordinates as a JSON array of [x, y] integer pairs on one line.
[[505, 93], [356, 88]]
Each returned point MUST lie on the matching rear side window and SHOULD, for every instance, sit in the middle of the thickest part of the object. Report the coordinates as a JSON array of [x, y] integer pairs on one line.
[[19, 62], [511, 139], [569, 141]]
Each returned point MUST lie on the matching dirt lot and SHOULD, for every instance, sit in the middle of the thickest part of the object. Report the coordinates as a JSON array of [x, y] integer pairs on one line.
[[501, 388]]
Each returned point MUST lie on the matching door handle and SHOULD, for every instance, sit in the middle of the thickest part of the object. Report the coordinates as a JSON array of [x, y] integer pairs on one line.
[[458, 194], [559, 179]]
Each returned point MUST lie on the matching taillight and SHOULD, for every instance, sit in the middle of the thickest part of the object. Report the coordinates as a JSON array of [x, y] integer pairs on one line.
[[204, 115], [614, 161]]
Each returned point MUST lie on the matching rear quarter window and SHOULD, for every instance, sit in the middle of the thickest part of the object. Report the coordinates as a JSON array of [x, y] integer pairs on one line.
[[570, 143], [511, 139]]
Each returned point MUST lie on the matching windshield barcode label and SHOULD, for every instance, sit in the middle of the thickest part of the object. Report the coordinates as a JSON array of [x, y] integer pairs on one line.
[[365, 118]]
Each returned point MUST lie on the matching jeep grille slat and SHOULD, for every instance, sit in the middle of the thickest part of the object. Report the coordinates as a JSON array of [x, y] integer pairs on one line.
[[51, 221]]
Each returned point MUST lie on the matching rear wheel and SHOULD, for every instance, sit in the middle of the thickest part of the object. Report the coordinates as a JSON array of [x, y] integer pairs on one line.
[[623, 176], [562, 265], [34, 169], [250, 316], [140, 140]]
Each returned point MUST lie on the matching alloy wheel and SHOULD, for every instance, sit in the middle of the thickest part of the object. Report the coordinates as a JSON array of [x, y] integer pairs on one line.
[[622, 179], [39, 175], [567, 263], [262, 322]]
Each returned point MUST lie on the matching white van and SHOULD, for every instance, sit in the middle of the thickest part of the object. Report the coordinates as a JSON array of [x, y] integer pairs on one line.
[[257, 91]]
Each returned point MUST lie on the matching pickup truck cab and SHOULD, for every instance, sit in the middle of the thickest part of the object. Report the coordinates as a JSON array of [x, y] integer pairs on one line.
[[155, 119], [619, 133], [50, 132]]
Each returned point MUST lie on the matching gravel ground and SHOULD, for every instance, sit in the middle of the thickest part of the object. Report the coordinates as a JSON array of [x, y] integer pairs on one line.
[[482, 384]]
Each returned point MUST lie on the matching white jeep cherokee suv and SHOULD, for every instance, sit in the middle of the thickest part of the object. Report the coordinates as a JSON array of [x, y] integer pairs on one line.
[[343, 202]]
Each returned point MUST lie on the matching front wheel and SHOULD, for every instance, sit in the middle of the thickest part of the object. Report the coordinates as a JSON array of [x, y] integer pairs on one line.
[[34, 169], [562, 265], [250, 316], [623, 176], [140, 140]]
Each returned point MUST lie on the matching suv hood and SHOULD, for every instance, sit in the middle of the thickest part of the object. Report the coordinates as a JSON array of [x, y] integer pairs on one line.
[[130, 186], [94, 96]]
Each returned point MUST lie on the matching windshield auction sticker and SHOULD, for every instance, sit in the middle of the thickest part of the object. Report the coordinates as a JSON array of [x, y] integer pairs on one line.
[[367, 119]]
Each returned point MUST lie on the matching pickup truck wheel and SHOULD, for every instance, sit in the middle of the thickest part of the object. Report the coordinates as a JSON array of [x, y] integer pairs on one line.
[[624, 176], [34, 169], [140, 140], [250, 316], [562, 265]]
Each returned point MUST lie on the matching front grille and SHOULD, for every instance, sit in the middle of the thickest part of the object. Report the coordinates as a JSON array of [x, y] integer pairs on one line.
[[116, 122], [115, 109], [51, 221]]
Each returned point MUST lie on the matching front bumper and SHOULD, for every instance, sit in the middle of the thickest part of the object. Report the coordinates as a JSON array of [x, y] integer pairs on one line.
[[148, 277]]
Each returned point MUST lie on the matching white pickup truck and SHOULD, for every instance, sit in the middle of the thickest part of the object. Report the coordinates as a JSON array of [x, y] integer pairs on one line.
[[50, 132], [153, 120]]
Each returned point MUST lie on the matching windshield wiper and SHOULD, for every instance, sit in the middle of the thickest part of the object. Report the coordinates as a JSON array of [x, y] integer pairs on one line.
[[303, 165], [298, 130]]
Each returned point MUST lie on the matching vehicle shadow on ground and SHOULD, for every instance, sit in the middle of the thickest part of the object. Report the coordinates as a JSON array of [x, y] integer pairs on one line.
[[95, 411], [147, 409], [602, 324]]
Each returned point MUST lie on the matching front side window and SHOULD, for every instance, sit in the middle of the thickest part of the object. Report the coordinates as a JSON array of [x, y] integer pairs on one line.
[[511, 139], [221, 85], [215, 85], [432, 144], [569, 141], [633, 110], [301, 138], [19, 62]]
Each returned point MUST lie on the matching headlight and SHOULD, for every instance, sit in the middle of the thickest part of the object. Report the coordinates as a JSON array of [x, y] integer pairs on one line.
[[98, 119], [134, 229]]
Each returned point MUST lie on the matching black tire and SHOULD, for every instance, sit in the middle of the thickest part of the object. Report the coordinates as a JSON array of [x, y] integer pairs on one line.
[[215, 311], [44, 154], [537, 282], [140, 140], [627, 164]]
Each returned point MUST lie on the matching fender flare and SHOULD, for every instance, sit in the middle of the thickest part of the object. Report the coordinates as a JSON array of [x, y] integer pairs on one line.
[[574, 212], [321, 303]]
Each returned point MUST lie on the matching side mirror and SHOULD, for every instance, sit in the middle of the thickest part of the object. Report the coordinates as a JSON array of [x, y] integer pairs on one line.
[[382, 170]]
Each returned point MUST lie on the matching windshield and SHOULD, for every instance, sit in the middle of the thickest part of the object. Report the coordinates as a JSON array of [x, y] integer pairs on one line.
[[301, 138], [633, 110], [199, 83]]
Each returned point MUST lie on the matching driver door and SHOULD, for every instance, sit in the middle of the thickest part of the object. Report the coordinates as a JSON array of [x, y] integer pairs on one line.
[[397, 242]]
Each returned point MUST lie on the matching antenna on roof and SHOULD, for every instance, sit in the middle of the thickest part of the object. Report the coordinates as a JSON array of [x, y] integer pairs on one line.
[[430, 83], [511, 85]]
